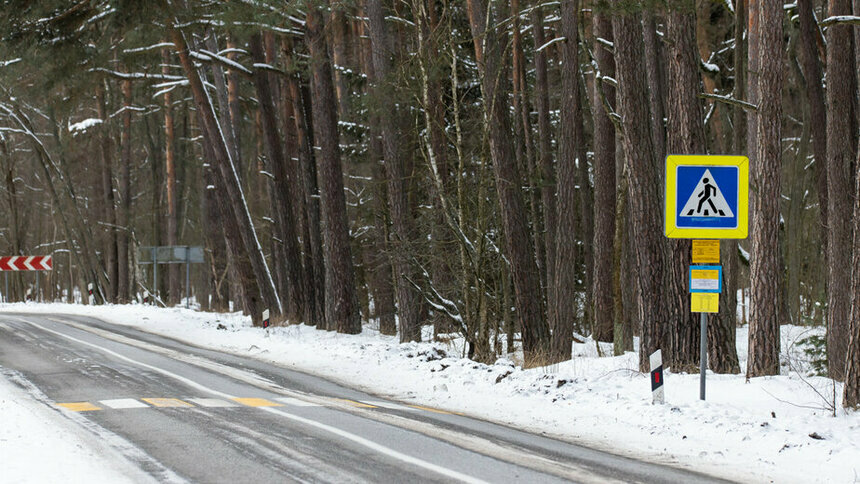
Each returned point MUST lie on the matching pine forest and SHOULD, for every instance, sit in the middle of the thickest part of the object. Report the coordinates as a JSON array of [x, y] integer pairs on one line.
[[483, 168]]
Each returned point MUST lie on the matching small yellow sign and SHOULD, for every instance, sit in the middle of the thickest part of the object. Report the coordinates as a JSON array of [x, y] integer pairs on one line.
[[704, 302], [706, 251]]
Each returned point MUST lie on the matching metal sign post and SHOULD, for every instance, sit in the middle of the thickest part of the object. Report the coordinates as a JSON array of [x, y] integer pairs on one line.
[[706, 197], [171, 254]]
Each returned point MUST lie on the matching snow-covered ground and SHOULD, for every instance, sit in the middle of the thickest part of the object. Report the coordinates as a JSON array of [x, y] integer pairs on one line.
[[778, 429], [37, 444]]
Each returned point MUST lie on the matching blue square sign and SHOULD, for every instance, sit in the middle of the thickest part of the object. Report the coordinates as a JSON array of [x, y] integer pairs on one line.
[[707, 197]]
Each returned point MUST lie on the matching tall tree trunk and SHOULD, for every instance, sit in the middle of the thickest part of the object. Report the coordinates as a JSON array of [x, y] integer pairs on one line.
[[841, 79], [686, 136], [722, 334], [337, 35], [124, 247], [110, 257], [546, 170], [654, 61], [764, 334], [570, 138], [851, 391], [518, 243], [341, 303], [282, 188], [313, 246], [228, 177], [644, 182], [604, 184], [815, 97], [398, 187], [170, 173]]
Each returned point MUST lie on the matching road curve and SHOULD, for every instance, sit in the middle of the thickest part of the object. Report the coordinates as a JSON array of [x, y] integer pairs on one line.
[[188, 414]]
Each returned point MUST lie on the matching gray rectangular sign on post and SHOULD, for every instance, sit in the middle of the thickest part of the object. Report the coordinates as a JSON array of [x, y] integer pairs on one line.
[[175, 254], [171, 254]]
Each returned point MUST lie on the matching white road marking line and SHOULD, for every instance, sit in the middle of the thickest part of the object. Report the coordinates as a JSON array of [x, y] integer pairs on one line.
[[297, 403], [120, 403], [311, 423], [391, 406], [212, 402]]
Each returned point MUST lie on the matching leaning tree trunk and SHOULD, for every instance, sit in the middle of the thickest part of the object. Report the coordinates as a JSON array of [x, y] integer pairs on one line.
[[644, 182], [518, 242], [227, 176], [764, 342], [341, 303]]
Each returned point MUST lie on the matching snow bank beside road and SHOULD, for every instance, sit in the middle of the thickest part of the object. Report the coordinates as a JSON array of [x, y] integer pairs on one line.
[[38, 445], [755, 431]]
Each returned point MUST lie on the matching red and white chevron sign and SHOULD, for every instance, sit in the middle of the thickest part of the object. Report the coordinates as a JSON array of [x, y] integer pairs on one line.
[[26, 263]]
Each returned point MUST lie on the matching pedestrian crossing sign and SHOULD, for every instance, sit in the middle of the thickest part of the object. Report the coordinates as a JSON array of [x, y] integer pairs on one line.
[[707, 197]]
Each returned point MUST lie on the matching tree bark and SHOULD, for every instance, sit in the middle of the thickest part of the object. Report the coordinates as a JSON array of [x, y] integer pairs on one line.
[[402, 233], [815, 97], [604, 185], [686, 136], [644, 182], [764, 337], [570, 138], [110, 248], [841, 79], [851, 390], [295, 303], [546, 168], [518, 243], [170, 179], [341, 304], [228, 177], [124, 246]]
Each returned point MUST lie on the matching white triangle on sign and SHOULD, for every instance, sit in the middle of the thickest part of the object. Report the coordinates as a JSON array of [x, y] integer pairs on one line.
[[707, 200]]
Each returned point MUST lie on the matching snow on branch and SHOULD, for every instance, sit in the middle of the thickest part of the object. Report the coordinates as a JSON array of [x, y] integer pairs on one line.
[[133, 76], [158, 46], [553, 41], [83, 126], [9, 62], [840, 20], [227, 62], [730, 100]]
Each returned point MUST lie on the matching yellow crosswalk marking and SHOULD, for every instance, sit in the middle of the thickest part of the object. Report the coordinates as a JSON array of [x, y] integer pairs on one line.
[[79, 406], [166, 402], [356, 404], [257, 402], [434, 410]]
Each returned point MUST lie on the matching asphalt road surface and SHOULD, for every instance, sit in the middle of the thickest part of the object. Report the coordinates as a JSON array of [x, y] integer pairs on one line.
[[187, 414]]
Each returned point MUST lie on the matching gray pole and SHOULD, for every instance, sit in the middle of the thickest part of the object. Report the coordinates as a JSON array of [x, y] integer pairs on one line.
[[6, 294], [703, 353], [38, 289], [187, 275], [155, 275]]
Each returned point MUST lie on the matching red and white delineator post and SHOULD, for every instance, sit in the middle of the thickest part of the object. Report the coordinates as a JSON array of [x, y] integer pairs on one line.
[[657, 395]]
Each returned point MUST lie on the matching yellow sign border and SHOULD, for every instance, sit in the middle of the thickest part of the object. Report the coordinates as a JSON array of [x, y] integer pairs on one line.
[[671, 229]]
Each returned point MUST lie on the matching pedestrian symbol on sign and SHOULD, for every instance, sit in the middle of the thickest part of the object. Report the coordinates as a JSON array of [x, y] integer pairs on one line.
[[707, 200]]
